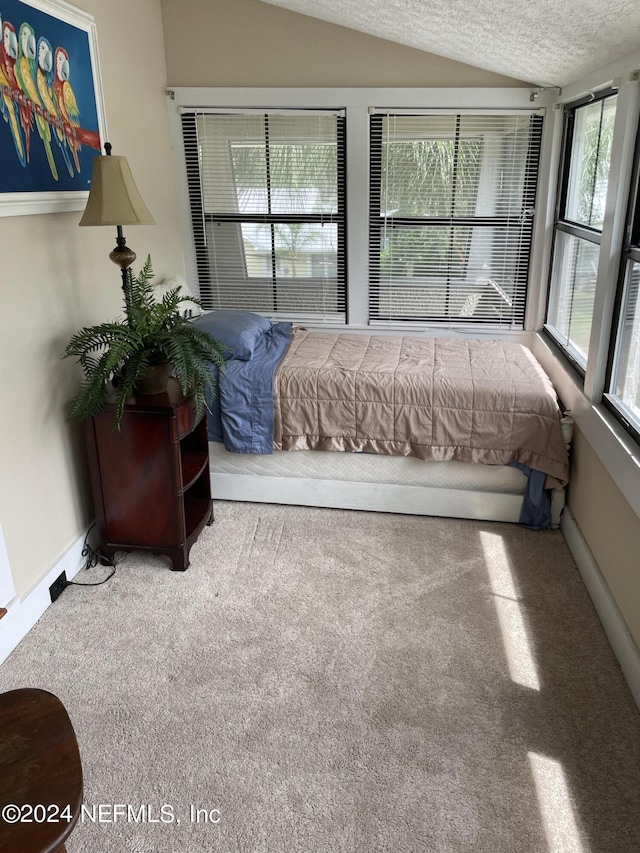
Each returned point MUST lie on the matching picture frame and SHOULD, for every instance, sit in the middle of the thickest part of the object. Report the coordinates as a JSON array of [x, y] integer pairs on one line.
[[51, 106]]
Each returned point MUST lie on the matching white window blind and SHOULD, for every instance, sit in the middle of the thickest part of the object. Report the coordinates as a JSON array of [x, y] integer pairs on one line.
[[267, 199], [452, 200]]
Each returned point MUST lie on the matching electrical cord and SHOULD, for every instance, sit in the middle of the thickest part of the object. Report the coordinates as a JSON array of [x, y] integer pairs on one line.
[[96, 583], [93, 558]]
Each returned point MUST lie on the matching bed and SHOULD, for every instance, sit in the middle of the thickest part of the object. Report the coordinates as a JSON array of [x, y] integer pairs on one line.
[[436, 426]]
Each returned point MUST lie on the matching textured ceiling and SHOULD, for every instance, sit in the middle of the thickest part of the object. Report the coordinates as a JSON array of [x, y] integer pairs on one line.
[[547, 42]]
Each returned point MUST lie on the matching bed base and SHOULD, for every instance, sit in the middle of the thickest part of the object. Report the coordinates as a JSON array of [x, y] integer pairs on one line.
[[264, 484], [376, 497]]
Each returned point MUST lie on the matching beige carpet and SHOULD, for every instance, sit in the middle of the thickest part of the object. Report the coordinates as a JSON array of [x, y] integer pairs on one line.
[[342, 681]]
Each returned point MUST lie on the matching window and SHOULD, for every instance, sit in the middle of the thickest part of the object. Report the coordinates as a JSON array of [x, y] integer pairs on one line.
[[452, 200], [624, 368], [584, 178], [312, 205], [267, 201]]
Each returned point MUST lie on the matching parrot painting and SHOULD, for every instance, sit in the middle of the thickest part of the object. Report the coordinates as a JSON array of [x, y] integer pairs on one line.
[[25, 70], [35, 88], [66, 101], [3, 82], [14, 115], [44, 82]]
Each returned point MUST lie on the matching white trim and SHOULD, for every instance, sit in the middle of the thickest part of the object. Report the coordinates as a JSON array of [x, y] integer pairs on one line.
[[62, 10], [259, 111], [23, 613], [182, 191], [357, 195], [376, 497], [622, 643], [464, 111], [27, 204], [542, 238], [494, 333], [7, 589], [620, 172], [600, 79], [337, 97]]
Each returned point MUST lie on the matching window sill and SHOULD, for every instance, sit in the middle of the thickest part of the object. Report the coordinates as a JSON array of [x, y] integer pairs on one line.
[[615, 448], [435, 331]]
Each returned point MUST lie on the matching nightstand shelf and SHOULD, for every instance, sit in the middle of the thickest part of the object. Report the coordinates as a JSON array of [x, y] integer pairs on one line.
[[193, 464], [150, 479], [195, 513]]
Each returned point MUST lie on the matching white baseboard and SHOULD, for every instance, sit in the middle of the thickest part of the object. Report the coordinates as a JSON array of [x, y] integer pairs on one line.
[[622, 643], [23, 613], [7, 589]]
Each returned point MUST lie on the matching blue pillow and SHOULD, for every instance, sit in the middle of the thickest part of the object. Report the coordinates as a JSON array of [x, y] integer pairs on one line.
[[239, 330]]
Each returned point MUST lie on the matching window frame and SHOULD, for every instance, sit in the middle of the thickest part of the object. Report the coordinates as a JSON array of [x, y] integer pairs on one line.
[[378, 223], [630, 253], [357, 104], [201, 218], [564, 225], [615, 447]]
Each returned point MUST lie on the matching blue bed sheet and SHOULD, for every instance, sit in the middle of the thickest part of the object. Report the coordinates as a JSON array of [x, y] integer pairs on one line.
[[535, 512], [241, 414]]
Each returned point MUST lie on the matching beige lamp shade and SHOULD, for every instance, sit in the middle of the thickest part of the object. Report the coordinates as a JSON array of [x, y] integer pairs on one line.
[[114, 198]]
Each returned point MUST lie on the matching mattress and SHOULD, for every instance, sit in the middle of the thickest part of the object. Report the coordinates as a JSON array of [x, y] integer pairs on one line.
[[368, 468]]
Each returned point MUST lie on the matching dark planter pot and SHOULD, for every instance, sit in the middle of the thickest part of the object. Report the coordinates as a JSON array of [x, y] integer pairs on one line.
[[155, 379]]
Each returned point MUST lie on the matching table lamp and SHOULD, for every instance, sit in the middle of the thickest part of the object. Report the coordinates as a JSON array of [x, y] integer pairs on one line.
[[114, 199]]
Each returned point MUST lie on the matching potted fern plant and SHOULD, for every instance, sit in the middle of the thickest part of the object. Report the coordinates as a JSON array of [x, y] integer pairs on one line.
[[121, 357]]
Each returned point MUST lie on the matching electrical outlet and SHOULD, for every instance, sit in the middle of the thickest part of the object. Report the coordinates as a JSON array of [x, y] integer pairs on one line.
[[56, 588]]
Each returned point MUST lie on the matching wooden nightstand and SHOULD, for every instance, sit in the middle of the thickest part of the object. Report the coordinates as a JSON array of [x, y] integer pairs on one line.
[[150, 479]]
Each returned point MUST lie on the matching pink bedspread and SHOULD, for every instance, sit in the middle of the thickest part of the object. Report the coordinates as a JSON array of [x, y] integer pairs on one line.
[[433, 398]]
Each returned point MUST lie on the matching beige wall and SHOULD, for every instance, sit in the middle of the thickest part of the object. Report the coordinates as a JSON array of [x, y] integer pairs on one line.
[[610, 527], [57, 277], [248, 43]]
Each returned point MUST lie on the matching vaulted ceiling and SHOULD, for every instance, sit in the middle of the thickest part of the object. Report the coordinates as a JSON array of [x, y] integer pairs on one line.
[[546, 42]]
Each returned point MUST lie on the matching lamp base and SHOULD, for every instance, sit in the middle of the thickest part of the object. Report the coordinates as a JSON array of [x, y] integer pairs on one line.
[[123, 256]]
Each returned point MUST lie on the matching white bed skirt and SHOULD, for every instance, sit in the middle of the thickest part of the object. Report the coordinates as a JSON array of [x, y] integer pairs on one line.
[[370, 482]]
